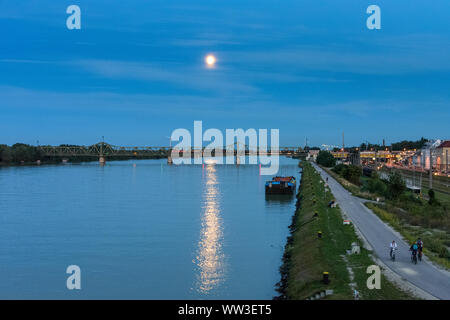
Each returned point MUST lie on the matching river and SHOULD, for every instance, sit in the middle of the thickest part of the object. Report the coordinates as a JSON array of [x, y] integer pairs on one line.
[[141, 229]]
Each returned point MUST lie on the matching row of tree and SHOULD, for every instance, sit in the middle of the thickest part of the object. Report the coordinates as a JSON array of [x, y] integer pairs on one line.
[[396, 146], [409, 145], [19, 153]]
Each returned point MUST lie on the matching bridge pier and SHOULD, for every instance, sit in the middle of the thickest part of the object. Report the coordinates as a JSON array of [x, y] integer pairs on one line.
[[238, 159], [102, 160]]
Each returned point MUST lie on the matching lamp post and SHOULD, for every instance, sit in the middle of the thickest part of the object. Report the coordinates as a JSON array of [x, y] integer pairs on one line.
[[446, 160]]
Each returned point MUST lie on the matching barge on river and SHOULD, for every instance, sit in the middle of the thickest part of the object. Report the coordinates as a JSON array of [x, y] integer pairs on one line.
[[281, 185]]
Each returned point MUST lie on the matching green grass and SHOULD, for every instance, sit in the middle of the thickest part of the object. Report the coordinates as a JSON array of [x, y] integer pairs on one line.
[[436, 241], [308, 257], [443, 198]]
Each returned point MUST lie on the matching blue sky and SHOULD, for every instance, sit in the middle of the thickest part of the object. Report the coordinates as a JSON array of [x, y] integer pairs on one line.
[[135, 70]]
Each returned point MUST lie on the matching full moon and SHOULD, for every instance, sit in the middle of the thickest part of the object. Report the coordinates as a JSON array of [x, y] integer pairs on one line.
[[210, 60]]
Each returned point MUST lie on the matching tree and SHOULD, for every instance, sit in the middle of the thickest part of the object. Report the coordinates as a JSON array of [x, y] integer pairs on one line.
[[326, 159], [375, 184], [339, 168], [352, 173], [5, 153], [396, 185], [409, 144], [432, 198]]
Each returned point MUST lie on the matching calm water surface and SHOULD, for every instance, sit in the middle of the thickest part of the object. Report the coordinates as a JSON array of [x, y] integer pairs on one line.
[[141, 230]]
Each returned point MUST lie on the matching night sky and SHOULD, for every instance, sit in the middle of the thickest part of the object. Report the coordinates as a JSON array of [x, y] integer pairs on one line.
[[136, 71]]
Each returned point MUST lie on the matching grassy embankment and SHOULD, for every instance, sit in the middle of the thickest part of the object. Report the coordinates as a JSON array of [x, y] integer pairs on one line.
[[307, 257], [411, 216]]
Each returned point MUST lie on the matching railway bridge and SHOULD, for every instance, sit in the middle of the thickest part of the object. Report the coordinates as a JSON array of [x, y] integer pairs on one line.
[[104, 150]]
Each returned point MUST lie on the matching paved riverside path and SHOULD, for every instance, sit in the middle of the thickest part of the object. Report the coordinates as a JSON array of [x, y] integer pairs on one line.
[[424, 275]]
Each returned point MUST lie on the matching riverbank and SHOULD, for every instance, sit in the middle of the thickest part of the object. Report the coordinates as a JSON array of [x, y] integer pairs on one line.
[[74, 160], [307, 256]]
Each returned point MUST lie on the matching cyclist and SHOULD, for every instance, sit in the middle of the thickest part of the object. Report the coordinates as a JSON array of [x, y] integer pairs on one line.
[[420, 248], [414, 247], [393, 246]]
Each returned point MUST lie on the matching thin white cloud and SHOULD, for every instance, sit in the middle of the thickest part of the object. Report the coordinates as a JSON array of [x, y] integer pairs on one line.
[[233, 106], [384, 56], [25, 61], [187, 77]]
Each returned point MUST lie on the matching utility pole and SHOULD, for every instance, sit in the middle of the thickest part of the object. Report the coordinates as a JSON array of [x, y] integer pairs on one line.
[[431, 169], [446, 160]]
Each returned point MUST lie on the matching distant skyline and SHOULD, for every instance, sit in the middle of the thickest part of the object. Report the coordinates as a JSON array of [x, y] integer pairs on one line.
[[136, 70]]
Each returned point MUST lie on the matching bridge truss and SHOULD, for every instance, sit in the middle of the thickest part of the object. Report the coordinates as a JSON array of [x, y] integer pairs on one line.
[[103, 149]]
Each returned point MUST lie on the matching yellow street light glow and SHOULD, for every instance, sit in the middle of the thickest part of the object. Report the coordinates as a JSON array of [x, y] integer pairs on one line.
[[210, 60]]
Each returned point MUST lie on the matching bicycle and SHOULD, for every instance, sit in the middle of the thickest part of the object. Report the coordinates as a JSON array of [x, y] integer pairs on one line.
[[414, 257], [392, 254]]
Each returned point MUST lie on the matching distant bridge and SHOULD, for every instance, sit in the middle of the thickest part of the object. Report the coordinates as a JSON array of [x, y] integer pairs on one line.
[[103, 150]]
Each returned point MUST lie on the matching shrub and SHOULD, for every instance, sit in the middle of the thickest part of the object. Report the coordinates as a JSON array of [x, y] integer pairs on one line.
[[396, 185], [326, 159], [352, 173], [339, 169], [377, 186], [432, 198]]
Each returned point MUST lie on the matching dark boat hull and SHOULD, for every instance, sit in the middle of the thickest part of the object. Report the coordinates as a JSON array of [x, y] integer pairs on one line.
[[280, 189]]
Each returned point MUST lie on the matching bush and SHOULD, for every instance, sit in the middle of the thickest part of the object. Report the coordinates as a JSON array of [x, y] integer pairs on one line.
[[437, 247], [432, 198], [396, 185], [339, 168], [377, 186], [326, 159], [352, 173]]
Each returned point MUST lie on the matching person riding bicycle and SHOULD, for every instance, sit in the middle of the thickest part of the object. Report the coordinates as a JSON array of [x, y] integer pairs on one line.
[[420, 247], [393, 246], [414, 247]]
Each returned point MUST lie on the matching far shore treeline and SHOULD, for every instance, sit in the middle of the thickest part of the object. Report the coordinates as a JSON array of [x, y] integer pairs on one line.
[[20, 153]]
